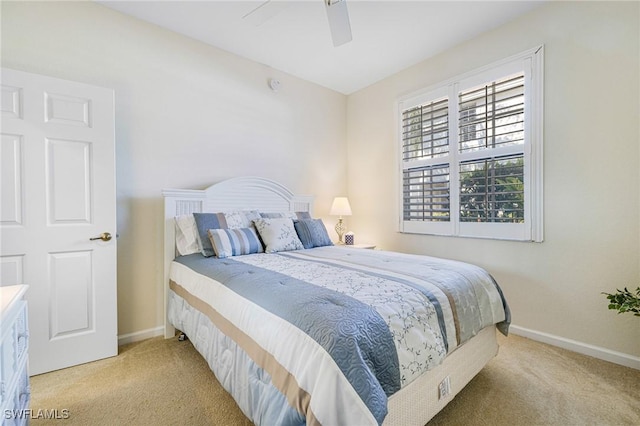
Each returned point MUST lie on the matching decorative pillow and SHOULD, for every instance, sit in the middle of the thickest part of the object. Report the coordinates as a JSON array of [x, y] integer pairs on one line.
[[278, 215], [187, 241], [312, 233], [204, 222], [290, 215], [250, 216], [234, 242], [303, 215], [278, 234], [240, 219]]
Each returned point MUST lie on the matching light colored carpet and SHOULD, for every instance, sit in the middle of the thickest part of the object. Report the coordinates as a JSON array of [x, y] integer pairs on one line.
[[166, 382]]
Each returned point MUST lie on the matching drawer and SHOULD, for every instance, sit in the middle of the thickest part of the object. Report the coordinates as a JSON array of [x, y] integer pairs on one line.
[[22, 331], [15, 393], [8, 363], [15, 343], [17, 401]]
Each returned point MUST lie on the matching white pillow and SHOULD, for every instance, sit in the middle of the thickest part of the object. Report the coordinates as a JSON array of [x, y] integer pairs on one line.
[[187, 241], [278, 234]]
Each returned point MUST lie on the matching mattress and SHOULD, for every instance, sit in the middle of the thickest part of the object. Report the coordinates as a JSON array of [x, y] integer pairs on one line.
[[328, 335]]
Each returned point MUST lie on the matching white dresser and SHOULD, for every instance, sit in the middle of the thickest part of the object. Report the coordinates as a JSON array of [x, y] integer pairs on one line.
[[14, 376]]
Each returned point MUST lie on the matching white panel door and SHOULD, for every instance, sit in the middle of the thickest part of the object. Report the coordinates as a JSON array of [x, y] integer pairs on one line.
[[57, 198]]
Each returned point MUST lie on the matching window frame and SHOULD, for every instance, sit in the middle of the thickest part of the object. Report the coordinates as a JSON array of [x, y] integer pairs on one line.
[[531, 63]]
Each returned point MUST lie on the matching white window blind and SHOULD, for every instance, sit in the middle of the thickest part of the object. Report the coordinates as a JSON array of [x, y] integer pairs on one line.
[[426, 194], [471, 162], [426, 130]]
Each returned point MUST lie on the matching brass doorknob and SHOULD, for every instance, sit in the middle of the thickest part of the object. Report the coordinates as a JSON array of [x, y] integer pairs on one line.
[[105, 236]]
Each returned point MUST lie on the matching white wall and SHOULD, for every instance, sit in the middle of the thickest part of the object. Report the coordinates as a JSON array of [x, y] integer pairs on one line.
[[187, 115], [591, 157]]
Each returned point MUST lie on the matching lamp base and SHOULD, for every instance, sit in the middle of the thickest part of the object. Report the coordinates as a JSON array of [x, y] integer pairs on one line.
[[340, 230]]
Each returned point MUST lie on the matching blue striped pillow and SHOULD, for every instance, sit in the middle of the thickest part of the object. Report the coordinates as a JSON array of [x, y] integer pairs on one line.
[[204, 222], [234, 242], [312, 233]]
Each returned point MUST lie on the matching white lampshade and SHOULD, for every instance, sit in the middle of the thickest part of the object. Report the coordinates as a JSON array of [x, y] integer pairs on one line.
[[340, 207]]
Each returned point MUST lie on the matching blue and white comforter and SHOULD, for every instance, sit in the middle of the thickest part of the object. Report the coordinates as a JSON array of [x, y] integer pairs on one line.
[[326, 335]]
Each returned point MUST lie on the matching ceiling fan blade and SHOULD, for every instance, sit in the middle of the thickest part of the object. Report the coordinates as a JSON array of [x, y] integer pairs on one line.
[[339, 25], [264, 12]]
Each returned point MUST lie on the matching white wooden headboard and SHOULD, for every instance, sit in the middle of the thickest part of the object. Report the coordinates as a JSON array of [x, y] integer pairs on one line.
[[242, 193]]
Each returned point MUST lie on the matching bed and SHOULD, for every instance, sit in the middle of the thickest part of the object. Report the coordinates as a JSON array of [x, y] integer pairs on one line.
[[300, 331]]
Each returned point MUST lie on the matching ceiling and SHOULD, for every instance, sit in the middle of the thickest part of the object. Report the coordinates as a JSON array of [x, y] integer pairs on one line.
[[294, 36]]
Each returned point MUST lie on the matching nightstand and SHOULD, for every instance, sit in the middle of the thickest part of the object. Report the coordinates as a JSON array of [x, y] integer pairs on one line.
[[362, 246], [14, 377]]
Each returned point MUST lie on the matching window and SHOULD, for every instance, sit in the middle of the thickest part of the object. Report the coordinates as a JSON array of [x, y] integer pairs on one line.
[[471, 153]]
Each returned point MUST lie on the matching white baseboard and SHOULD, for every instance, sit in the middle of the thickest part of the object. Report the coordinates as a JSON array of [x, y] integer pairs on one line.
[[140, 335], [561, 342], [579, 347]]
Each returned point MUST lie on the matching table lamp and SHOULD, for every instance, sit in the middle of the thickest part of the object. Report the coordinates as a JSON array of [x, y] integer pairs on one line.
[[340, 207]]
